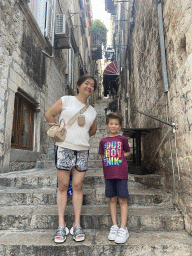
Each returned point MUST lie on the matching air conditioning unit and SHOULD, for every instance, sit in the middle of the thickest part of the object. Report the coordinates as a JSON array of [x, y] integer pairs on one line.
[[62, 40], [61, 25]]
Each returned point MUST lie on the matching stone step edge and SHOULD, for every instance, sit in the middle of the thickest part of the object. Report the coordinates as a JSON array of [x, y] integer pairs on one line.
[[40, 172], [94, 238], [14, 179], [96, 188], [45, 218], [134, 210]]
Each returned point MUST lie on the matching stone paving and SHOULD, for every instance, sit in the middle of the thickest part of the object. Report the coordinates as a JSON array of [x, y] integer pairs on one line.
[[28, 216]]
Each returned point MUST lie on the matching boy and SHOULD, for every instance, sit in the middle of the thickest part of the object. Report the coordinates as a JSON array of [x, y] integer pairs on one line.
[[114, 149]]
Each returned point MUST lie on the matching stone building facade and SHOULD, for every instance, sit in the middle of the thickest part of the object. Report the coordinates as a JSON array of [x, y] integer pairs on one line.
[[143, 89], [35, 72]]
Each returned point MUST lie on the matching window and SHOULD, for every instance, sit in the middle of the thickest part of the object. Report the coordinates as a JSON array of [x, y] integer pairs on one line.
[[23, 123], [44, 13]]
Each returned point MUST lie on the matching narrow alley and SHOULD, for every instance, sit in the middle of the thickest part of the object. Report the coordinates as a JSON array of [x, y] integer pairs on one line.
[[139, 55]]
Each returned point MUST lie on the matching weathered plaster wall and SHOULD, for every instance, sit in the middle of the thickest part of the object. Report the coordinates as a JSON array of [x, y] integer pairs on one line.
[[146, 93], [178, 41], [9, 21], [23, 66]]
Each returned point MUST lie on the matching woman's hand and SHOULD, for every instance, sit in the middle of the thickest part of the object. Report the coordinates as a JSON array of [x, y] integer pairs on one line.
[[53, 112]]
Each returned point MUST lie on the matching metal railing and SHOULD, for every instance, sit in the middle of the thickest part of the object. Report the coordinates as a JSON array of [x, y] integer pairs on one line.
[[154, 117], [169, 129]]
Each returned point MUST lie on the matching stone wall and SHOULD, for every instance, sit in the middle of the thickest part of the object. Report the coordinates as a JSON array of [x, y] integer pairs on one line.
[[146, 91], [24, 67], [10, 14]]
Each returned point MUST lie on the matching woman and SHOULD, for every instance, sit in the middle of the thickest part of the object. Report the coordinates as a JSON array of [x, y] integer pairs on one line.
[[72, 154]]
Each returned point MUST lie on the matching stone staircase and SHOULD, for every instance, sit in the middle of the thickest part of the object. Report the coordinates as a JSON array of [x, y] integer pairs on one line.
[[28, 216]]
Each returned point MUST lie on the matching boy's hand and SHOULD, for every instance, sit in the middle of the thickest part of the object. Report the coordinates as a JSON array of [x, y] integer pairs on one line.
[[126, 154]]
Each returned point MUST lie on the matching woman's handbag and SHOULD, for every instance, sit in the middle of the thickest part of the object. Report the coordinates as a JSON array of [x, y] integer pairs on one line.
[[58, 133]]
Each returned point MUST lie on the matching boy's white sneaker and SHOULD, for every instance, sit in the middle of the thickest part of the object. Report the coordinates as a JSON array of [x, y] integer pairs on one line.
[[113, 232], [122, 236]]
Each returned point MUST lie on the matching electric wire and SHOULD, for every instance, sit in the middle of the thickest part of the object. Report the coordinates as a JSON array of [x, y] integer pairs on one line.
[[60, 7], [124, 8]]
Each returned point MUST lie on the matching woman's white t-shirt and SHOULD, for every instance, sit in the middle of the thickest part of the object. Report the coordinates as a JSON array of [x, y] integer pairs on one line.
[[77, 138]]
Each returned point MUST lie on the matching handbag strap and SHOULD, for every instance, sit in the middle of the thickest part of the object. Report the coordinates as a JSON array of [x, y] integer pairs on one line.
[[70, 122], [54, 124]]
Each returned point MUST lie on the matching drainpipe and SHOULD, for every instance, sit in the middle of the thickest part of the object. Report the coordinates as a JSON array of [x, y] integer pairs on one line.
[[165, 79], [162, 46], [125, 71]]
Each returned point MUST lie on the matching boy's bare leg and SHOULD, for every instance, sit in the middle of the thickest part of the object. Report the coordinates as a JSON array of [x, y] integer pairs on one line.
[[63, 183], [113, 209], [124, 211]]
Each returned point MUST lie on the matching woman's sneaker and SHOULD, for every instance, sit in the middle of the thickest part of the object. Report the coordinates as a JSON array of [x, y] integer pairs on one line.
[[113, 232], [122, 236], [61, 234]]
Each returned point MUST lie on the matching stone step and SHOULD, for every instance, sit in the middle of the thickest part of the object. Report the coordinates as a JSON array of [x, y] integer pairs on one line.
[[101, 119], [38, 178], [40, 242], [94, 217], [93, 196], [101, 131], [93, 150], [95, 164], [94, 156], [51, 164], [147, 243], [96, 139], [45, 164], [51, 157]]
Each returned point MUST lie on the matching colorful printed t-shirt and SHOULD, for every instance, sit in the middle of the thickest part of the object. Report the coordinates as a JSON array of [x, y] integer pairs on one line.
[[114, 162]]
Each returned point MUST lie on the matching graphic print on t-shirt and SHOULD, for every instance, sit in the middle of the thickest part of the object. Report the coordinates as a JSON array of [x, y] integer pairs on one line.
[[112, 153]]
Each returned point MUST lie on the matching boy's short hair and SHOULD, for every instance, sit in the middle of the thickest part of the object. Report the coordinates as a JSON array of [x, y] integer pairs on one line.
[[115, 115]]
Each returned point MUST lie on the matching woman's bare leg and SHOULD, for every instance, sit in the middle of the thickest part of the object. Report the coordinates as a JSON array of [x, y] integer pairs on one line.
[[77, 184], [63, 183]]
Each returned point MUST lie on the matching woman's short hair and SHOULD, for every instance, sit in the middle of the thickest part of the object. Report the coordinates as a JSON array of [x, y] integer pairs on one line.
[[84, 77], [114, 115]]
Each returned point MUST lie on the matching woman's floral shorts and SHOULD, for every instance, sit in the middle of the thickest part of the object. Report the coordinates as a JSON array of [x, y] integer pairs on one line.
[[66, 159]]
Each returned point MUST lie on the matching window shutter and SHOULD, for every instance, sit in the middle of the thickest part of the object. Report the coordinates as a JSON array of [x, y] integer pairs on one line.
[[50, 20], [38, 8]]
